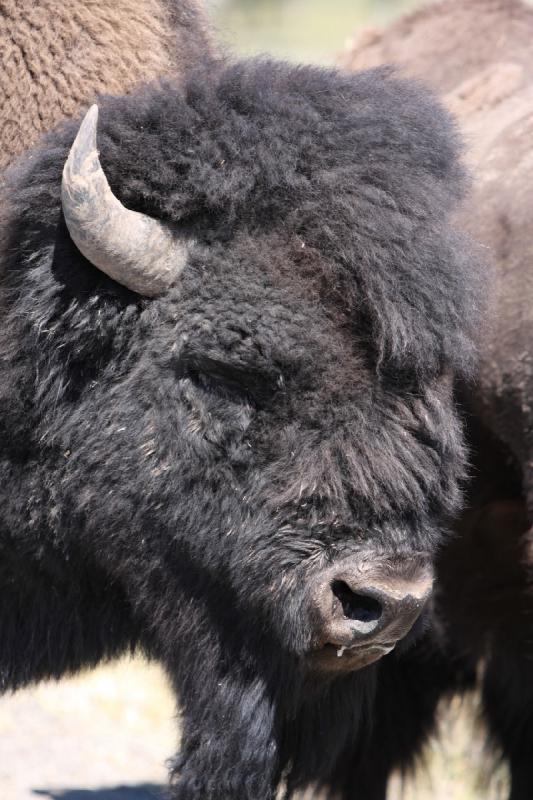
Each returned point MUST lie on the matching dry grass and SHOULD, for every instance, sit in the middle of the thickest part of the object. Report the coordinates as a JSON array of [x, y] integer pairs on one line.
[[115, 726], [107, 728], [457, 764]]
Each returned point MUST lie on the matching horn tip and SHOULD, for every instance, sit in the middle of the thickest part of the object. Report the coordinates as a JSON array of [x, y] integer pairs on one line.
[[85, 141], [92, 113], [87, 130]]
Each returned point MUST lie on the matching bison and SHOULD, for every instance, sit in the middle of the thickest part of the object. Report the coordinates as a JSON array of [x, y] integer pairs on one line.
[[478, 55], [233, 310], [57, 57]]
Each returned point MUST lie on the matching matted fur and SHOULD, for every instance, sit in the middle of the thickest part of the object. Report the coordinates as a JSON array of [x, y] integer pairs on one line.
[[175, 472], [57, 56]]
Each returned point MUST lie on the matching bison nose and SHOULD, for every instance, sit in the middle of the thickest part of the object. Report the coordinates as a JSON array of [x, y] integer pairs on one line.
[[362, 609], [369, 607]]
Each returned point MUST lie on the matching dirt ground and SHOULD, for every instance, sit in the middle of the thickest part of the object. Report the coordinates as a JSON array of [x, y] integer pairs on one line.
[[106, 735]]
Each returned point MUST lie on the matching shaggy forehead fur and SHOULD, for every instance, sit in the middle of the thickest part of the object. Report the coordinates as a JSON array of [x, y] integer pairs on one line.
[[357, 172]]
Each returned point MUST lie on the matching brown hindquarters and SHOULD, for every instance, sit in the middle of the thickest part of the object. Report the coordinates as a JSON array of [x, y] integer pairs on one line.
[[56, 57]]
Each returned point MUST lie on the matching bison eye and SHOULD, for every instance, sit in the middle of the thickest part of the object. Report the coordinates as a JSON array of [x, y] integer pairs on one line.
[[234, 382]]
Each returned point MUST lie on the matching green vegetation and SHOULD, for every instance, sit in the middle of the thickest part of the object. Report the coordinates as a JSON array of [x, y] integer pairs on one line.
[[300, 30]]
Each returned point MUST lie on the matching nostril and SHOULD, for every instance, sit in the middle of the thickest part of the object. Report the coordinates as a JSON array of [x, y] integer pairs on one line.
[[359, 607]]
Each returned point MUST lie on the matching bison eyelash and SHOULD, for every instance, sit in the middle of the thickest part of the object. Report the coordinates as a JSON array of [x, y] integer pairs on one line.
[[233, 383], [228, 389]]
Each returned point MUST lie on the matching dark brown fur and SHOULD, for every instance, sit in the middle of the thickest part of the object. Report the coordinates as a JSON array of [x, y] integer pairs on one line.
[[56, 57], [479, 54]]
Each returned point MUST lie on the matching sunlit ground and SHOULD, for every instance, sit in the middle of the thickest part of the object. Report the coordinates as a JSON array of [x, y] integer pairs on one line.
[[82, 739], [109, 727]]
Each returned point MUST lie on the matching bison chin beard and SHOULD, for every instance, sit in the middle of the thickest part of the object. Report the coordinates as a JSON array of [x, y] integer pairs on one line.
[[252, 717], [254, 713]]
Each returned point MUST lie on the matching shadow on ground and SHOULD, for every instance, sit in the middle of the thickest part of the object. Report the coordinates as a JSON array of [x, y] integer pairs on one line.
[[144, 792]]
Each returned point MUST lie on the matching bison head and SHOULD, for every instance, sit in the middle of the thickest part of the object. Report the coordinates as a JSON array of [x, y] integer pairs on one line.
[[229, 370]]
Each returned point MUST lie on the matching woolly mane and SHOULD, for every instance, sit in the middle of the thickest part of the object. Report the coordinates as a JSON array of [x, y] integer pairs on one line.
[[359, 171]]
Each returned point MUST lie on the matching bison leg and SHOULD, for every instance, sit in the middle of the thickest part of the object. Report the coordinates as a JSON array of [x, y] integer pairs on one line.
[[366, 783], [508, 703], [487, 570], [228, 748], [507, 683], [488, 606]]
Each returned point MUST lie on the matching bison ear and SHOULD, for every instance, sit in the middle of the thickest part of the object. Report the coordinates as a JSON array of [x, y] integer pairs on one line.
[[135, 250]]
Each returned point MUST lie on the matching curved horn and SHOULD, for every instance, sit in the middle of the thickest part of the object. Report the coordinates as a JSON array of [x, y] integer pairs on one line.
[[132, 248]]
